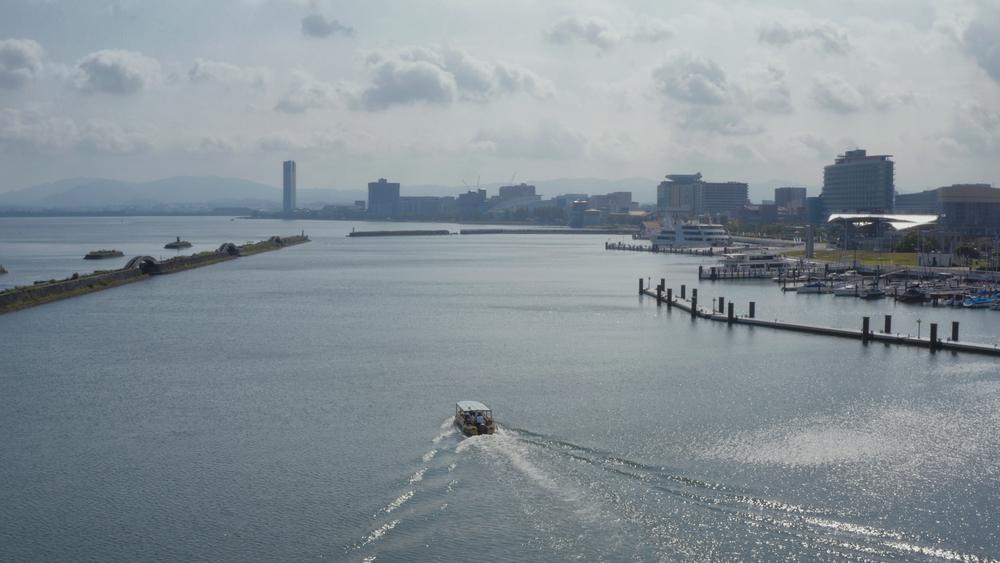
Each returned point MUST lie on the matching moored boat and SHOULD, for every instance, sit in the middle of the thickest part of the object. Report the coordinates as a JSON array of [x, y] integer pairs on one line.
[[99, 254], [474, 418], [872, 293], [691, 234], [981, 301], [912, 295], [177, 244], [813, 287], [848, 290]]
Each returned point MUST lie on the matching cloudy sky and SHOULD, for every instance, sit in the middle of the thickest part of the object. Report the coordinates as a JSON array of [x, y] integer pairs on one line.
[[441, 91]]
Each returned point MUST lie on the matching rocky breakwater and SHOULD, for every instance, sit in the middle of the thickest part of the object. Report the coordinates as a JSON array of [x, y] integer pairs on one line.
[[137, 269]]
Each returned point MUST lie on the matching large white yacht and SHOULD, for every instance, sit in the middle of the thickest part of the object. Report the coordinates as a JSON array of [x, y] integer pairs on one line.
[[692, 234]]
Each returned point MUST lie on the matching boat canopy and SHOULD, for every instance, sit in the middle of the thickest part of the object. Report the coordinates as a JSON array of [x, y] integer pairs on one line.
[[466, 406]]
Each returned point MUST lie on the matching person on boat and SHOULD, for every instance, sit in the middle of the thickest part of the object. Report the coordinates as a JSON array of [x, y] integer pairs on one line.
[[480, 423]]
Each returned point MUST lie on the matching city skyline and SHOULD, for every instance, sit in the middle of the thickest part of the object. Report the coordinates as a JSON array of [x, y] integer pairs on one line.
[[765, 95]]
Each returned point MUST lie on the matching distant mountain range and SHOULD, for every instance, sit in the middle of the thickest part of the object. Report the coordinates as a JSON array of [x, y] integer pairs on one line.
[[181, 193]]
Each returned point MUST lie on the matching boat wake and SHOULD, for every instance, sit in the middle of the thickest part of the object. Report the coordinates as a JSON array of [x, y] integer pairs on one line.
[[584, 503], [643, 511]]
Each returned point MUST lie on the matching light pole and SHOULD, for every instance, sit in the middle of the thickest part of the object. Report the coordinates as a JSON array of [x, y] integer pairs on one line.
[[918, 328]]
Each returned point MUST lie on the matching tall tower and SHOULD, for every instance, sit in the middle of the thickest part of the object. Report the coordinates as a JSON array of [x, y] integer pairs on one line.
[[288, 191]]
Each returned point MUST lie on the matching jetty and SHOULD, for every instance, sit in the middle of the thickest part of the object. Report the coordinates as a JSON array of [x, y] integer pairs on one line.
[[418, 233], [411, 233], [655, 249], [724, 312], [138, 268]]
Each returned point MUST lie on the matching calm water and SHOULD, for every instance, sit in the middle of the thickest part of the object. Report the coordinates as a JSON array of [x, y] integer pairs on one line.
[[296, 405]]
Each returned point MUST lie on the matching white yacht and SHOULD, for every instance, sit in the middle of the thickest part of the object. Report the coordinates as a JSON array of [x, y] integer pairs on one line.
[[692, 234], [755, 261]]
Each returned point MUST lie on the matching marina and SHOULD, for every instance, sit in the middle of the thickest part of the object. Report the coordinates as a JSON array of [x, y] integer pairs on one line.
[[866, 334]]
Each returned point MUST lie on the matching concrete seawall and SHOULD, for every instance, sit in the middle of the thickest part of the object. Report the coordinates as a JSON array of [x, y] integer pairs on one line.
[[137, 269]]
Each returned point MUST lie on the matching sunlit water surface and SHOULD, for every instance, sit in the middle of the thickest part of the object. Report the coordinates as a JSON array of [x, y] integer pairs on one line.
[[296, 405]]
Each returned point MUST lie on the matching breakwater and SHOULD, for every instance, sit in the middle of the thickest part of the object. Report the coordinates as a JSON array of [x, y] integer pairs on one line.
[[136, 269], [546, 231], [411, 233], [724, 312]]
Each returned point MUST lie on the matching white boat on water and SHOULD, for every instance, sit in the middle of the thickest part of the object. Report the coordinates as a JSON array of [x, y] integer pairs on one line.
[[691, 234], [813, 287], [847, 290], [755, 261]]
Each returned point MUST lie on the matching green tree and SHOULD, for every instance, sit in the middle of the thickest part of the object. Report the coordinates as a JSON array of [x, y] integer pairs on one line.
[[913, 242]]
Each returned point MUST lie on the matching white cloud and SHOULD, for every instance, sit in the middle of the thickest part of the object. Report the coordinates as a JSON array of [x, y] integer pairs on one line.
[[287, 141], [691, 78], [306, 92], [440, 77], [835, 94], [315, 25], [227, 73], [769, 90], [20, 61], [975, 129], [595, 31], [28, 130], [602, 34], [117, 72], [827, 36], [652, 30], [982, 41], [720, 120], [548, 140]]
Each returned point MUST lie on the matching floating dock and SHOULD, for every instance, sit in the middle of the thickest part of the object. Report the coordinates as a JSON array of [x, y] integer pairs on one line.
[[662, 249], [725, 313]]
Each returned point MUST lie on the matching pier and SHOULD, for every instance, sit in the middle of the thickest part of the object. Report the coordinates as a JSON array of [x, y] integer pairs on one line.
[[661, 249], [726, 313], [137, 269]]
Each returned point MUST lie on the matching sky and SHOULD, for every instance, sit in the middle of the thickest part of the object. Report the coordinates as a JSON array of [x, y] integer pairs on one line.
[[448, 91]]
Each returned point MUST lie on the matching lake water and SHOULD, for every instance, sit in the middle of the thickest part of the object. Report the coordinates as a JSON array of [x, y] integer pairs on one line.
[[296, 405]]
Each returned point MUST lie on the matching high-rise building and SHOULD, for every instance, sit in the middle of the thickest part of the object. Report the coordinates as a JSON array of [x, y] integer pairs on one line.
[[686, 195], [288, 187], [678, 194], [723, 198], [859, 183], [790, 198], [926, 202], [972, 209], [383, 199], [520, 190], [815, 213]]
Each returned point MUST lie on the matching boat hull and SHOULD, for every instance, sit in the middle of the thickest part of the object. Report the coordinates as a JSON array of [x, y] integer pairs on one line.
[[472, 430]]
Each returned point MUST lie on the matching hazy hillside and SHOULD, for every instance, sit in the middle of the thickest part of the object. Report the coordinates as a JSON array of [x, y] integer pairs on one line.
[[208, 191]]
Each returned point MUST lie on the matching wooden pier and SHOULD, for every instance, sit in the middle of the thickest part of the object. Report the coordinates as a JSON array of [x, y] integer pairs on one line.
[[661, 249], [720, 313]]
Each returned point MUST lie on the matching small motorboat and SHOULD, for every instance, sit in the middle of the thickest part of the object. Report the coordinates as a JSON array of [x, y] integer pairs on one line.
[[846, 290], [474, 418], [980, 301], [912, 295], [813, 287], [872, 293]]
